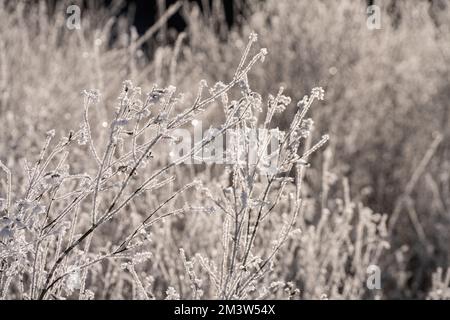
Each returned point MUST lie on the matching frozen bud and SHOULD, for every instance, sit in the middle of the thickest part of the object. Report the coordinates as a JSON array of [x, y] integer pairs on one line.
[[256, 100], [219, 86], [264, 53], [276, 284], [244, 86], [38, 209], [25, 204], [304, 101], [88, 295], [137, 104], [50, 133], [306, 127], [155, 95], [323, 297], [318, 93], [172, 294], [92, 95], [137, 91], [171, 89], [6, 233], [73, 281], [84, 135], [210, 210], [203, 83], [284, 100], [127, 85], [228, 190]]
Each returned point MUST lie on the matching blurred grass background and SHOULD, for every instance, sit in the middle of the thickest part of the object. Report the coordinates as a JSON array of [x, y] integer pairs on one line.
[[387, 93]]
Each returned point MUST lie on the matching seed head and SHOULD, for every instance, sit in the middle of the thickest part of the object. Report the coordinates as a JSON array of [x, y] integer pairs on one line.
[[318, 93]]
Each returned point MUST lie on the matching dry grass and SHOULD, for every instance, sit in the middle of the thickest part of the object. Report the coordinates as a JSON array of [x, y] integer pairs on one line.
[[94, 207]]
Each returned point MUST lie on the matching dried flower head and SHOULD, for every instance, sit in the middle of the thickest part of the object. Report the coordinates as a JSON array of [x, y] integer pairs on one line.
[[93, 95], [318, 93]]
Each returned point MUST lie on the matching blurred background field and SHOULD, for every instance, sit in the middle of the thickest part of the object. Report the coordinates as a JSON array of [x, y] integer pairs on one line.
[[386, 109]]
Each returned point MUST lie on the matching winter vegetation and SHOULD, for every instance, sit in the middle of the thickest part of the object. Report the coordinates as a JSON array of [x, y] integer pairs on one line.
[[99, 201]]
